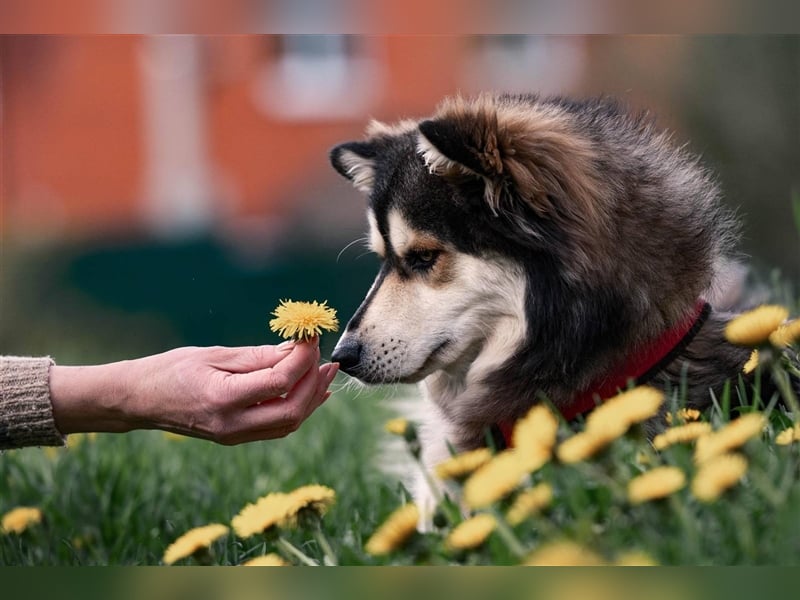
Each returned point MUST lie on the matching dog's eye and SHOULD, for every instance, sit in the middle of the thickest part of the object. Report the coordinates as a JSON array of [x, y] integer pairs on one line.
[[422, 260]]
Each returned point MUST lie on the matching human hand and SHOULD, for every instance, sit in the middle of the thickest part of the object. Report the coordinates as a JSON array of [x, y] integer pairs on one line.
[[227, 395]]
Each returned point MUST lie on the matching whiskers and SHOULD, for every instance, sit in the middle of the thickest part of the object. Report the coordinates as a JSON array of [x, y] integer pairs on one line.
[[364, 240]]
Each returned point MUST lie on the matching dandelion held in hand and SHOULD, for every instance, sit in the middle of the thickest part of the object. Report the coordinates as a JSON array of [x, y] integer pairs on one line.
[[303, 320], [194, 540]]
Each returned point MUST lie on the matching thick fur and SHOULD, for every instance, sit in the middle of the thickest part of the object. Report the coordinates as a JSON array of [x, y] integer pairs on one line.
[[529, 245]]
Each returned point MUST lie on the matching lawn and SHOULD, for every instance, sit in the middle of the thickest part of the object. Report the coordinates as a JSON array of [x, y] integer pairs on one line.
[[123, 499]]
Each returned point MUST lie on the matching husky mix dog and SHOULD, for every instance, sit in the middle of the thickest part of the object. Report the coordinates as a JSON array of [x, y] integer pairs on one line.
[[536, 247]]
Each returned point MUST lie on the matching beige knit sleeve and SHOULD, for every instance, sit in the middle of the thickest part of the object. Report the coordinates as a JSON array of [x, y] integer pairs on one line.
[[26, 415]]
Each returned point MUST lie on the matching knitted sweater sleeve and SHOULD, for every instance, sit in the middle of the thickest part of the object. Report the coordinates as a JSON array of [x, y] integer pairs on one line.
[[26, 415]]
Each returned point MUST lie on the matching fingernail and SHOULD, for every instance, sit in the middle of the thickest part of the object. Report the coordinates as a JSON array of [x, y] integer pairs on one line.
[[285, 346], [333, 369]]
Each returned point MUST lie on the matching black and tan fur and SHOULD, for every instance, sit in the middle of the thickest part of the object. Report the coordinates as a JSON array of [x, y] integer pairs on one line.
[[603, 232]]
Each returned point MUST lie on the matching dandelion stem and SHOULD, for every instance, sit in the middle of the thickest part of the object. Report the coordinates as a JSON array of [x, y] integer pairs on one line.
[[296, 552], [781, 379], [507, 534], [323, 542]]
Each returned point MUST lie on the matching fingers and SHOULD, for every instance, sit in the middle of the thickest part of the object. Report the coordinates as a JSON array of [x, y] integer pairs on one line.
[[277, 417], [277, 380], [245, 359]]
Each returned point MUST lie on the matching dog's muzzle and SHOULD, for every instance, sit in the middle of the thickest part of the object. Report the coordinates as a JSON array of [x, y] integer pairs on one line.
[[348, 354]]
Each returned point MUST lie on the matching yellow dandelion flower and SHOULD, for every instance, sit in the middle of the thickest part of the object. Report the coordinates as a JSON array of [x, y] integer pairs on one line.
[[635, 558], [734, 434], [174, 437], [655, 484], [684, 415], [463, 464], [303, 320], [19, 519], [536, 430], [718, 474], [585, 445], [267, 512], [681, 434], [268, 560], [751, 363], [754, 327], [394, 531], [625, 409], [397, 426], [314, 498], [494, 480], [786, 334], [471, 533], [788, 435], [192, 541], [563, 554], [76, 439], [529, 502]]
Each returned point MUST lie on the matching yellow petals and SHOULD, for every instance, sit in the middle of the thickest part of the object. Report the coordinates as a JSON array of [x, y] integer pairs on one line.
[[303, 320], [463, 464], [536, 430], [394, 531], [268, 560], [534, 436], [718, 474], [584, 445], [734, 434], [625, 409], [788, 435], [471, 533], [655, 484], [684, 415], [681, 434], [563, 554], [494, 480], [786, 334], [19, 519], [529, 502], [267, 512], [315, 498], [751, 363], [754, 327], [397, 426], [192, 541]]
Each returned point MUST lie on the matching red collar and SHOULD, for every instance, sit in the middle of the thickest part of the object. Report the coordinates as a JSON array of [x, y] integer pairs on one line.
[[639, 367]]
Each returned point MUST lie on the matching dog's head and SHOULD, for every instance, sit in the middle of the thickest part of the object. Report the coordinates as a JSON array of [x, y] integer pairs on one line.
[[513, 225]]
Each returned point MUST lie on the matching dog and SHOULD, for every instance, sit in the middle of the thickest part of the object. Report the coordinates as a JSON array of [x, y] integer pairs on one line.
[[537, 248]]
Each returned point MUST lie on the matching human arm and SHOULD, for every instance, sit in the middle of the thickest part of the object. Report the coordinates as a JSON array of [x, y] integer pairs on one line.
[[227, 395]]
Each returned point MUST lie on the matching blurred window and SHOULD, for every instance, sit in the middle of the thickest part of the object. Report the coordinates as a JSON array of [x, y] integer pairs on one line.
[[318, 77], [526, 63]]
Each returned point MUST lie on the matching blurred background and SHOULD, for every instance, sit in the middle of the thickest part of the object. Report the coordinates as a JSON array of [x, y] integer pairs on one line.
[[166, 190]]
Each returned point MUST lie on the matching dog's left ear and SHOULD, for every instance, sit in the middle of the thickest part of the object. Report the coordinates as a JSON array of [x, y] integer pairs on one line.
[[522, 150], [356, 161]]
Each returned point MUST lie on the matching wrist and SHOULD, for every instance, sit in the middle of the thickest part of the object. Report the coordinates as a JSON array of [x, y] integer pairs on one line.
[[91, 398]]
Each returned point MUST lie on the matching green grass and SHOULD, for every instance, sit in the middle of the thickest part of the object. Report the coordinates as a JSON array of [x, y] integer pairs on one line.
[[122, 499]]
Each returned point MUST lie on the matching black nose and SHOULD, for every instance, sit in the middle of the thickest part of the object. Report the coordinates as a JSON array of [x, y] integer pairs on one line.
[[348, 354]]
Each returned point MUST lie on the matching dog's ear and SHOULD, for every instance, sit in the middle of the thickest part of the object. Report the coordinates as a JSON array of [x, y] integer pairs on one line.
[[522, 149], [356, 161]]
